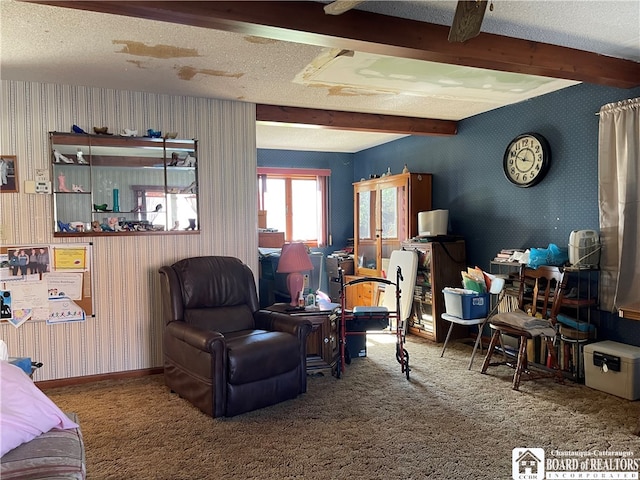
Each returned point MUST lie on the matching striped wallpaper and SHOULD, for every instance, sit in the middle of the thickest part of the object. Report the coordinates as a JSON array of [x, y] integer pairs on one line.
[[126, 332]]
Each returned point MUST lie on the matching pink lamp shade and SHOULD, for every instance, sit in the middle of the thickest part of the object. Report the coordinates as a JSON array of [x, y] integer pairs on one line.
[[293, 260]]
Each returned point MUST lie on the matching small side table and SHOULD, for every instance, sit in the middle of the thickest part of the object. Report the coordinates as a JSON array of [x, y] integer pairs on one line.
[[631, 311], [322, 342]]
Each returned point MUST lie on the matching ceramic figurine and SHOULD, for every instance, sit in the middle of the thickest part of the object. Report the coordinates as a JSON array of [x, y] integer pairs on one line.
[[405, 169], [189, 161], [77, 129], [65, 227], [60, 157], [129, 133], [171, 135], [190, 189], [100, 208], [62, 183], [113, 224], [77, 188], [80, 157], [101, 130], [154, 133]]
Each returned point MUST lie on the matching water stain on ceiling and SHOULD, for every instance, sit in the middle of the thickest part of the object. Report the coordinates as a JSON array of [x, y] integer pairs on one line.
[[155, 51], [137, 63], [259, 40], [187, 73]]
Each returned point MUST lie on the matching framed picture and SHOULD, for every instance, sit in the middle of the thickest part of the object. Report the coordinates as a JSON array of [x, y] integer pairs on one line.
[[8, 174]]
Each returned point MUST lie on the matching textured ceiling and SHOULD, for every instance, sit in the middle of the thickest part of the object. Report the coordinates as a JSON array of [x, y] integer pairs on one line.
[[57, 45]]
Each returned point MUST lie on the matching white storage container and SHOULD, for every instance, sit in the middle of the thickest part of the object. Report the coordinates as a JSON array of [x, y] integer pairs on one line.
[[614, 368]]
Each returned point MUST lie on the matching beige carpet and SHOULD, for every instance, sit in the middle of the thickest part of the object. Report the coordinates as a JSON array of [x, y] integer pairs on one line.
[[445, 423]]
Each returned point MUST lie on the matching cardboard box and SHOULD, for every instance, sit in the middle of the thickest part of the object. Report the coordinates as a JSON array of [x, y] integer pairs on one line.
[[466, 303], [334, 263], [613, 368], [262, 219]]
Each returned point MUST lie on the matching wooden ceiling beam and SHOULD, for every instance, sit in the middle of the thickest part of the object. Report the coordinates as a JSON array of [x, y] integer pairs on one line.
[[306, 22], [363, 122]]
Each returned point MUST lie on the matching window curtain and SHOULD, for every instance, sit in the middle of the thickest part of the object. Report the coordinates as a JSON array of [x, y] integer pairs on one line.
[[325, 212], [618, 178]]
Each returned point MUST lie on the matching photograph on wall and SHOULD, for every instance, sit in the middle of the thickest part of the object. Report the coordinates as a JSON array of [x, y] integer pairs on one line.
[[25, 263], [5, 305], [8, 174]]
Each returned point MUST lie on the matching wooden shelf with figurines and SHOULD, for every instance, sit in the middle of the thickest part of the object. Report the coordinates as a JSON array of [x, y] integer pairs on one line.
[[123, 185]]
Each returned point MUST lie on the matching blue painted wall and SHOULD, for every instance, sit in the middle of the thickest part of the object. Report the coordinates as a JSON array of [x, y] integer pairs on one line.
[[488, 210], [341, 185], [484, 207]]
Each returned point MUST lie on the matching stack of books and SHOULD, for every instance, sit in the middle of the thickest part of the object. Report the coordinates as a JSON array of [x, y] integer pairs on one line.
[[509, 255]]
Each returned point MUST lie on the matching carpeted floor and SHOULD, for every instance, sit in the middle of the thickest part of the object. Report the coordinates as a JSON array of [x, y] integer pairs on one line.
[[445, 423]]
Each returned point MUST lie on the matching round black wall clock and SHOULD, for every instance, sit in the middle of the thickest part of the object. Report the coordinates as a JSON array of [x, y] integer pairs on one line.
[[527, 159]]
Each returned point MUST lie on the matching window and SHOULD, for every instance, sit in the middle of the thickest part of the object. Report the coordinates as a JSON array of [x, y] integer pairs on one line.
[[296, 202]]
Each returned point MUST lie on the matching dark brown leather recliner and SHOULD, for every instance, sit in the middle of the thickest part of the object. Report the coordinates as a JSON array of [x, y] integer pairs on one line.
[[221, 352]]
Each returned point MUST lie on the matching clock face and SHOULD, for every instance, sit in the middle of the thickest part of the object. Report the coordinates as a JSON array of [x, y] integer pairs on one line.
[[526, 160]]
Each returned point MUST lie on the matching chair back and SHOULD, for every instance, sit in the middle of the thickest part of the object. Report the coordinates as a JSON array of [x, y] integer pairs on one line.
[[407, 260], [215, 293], [541, 290]]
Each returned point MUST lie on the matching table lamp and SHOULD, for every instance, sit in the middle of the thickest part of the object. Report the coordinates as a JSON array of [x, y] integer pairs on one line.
[[294, 259]]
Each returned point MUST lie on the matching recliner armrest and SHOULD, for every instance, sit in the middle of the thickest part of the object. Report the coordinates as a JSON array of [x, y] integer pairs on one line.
[[204, 340], [281, 322]]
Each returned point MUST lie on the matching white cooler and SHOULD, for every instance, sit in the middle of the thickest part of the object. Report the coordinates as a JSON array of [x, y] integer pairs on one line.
[[614, 368]]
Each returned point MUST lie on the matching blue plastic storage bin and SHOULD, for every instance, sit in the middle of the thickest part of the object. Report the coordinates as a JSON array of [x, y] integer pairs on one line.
[[466, 304]]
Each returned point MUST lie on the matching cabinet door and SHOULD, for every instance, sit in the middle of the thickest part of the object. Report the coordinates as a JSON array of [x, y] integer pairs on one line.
[[358, 295], [421, 321], [367, 247], [393, 216], [72, 183], [322, 343], [385, 215], [330, 340]]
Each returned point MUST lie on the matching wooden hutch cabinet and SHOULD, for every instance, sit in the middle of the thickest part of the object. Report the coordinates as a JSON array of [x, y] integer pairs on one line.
[[385, 215]]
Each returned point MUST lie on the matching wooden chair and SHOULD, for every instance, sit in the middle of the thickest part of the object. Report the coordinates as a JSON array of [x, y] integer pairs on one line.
[[539, 298]]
